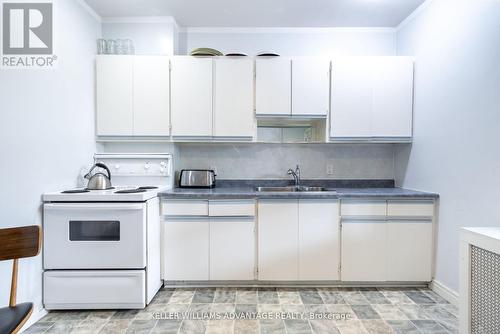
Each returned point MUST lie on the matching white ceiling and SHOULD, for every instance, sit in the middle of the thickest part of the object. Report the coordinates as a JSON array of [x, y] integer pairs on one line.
[[265, 13]]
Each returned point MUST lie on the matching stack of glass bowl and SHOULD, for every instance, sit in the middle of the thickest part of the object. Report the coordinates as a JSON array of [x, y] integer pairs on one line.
[[115, 47]]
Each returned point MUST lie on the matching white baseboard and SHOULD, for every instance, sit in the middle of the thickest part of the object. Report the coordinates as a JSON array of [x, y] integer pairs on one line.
[[35, 316], [445, 292]]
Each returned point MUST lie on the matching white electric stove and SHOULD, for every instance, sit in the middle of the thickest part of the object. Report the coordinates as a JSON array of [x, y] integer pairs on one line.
[[102, 247]]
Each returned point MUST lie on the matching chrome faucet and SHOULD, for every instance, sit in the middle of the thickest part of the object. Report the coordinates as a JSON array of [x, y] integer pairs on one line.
[[295, 174]]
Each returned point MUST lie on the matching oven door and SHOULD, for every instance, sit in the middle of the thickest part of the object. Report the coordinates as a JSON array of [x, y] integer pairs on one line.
[[94, 235]]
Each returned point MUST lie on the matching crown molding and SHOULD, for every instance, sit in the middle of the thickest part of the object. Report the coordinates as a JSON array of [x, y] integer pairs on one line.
[[414, 14], [140, 19], [90, 10], [284, 30]]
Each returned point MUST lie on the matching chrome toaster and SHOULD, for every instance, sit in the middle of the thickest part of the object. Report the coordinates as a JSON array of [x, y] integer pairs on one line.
[[197, 178]]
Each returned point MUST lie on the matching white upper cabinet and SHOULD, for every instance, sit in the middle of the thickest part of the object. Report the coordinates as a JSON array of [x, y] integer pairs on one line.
[[310, 86], [273, 93], [191, 97], [392, 97], [151, 96], [233, 98], [114, 95], [133, 96], [351, 98], [202, 98], [372, 98]]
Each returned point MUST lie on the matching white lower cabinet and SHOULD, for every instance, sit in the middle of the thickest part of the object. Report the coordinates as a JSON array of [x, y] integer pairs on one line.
[[298, 240], [186, 249], [409, 250], [363, 250], [318, 240], [278, 242], [232, 249], [396, 247], [201, 244]]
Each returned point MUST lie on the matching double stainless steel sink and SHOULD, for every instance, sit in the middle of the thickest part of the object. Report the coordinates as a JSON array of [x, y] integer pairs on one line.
[[296, 188], [290, 189]]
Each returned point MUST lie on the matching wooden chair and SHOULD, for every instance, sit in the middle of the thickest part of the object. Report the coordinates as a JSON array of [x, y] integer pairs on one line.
[[16, 243]]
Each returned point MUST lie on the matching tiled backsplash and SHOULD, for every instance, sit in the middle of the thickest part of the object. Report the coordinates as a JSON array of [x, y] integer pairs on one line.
[[271, 161]]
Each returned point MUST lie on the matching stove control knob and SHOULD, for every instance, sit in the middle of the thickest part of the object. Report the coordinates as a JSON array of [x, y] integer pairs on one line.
[[147, 166]]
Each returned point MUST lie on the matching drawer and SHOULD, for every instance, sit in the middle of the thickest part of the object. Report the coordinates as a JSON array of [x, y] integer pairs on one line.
[[94, 289], [231, 208], [410, 208], [184, 208], [363, 208]]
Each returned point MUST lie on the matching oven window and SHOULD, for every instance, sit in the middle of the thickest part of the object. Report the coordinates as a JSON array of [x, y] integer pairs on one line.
[[94, 230]]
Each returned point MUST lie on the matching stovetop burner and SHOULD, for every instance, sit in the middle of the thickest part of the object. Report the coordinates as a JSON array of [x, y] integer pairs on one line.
[[148, 187], [75, 191], [130, 191]]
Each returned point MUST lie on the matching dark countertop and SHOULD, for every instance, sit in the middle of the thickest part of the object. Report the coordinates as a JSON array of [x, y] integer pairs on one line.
[[246, 189]]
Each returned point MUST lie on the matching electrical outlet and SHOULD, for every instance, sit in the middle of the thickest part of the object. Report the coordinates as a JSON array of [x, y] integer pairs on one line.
[[329, 169], [214, 168]]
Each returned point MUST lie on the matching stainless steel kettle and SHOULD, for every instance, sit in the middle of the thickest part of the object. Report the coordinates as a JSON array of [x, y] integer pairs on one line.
[[98, 181]]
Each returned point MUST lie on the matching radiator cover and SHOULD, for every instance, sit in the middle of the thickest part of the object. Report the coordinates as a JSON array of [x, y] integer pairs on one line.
[[485, 291]]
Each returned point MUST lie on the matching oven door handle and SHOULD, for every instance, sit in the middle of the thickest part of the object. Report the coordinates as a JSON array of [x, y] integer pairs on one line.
[[90, 206]]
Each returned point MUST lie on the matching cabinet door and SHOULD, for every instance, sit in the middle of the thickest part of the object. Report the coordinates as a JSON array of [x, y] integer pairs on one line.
[[273, 86], [392, 97], [153, 277], [351, 99], [364, 250], [191, 97], [151, 96], [278, 244], [233, 98], [186, 249], [232, 249], [310, 86], [319, 252], [409, 255], [114, 76]]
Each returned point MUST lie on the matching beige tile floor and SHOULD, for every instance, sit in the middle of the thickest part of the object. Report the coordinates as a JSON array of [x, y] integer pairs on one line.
[[269, 310]]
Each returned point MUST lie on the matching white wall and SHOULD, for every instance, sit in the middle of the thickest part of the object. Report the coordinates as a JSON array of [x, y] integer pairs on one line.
[[46, 134], [292, 41], [160, 35], [151, 35], [457, 115]]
